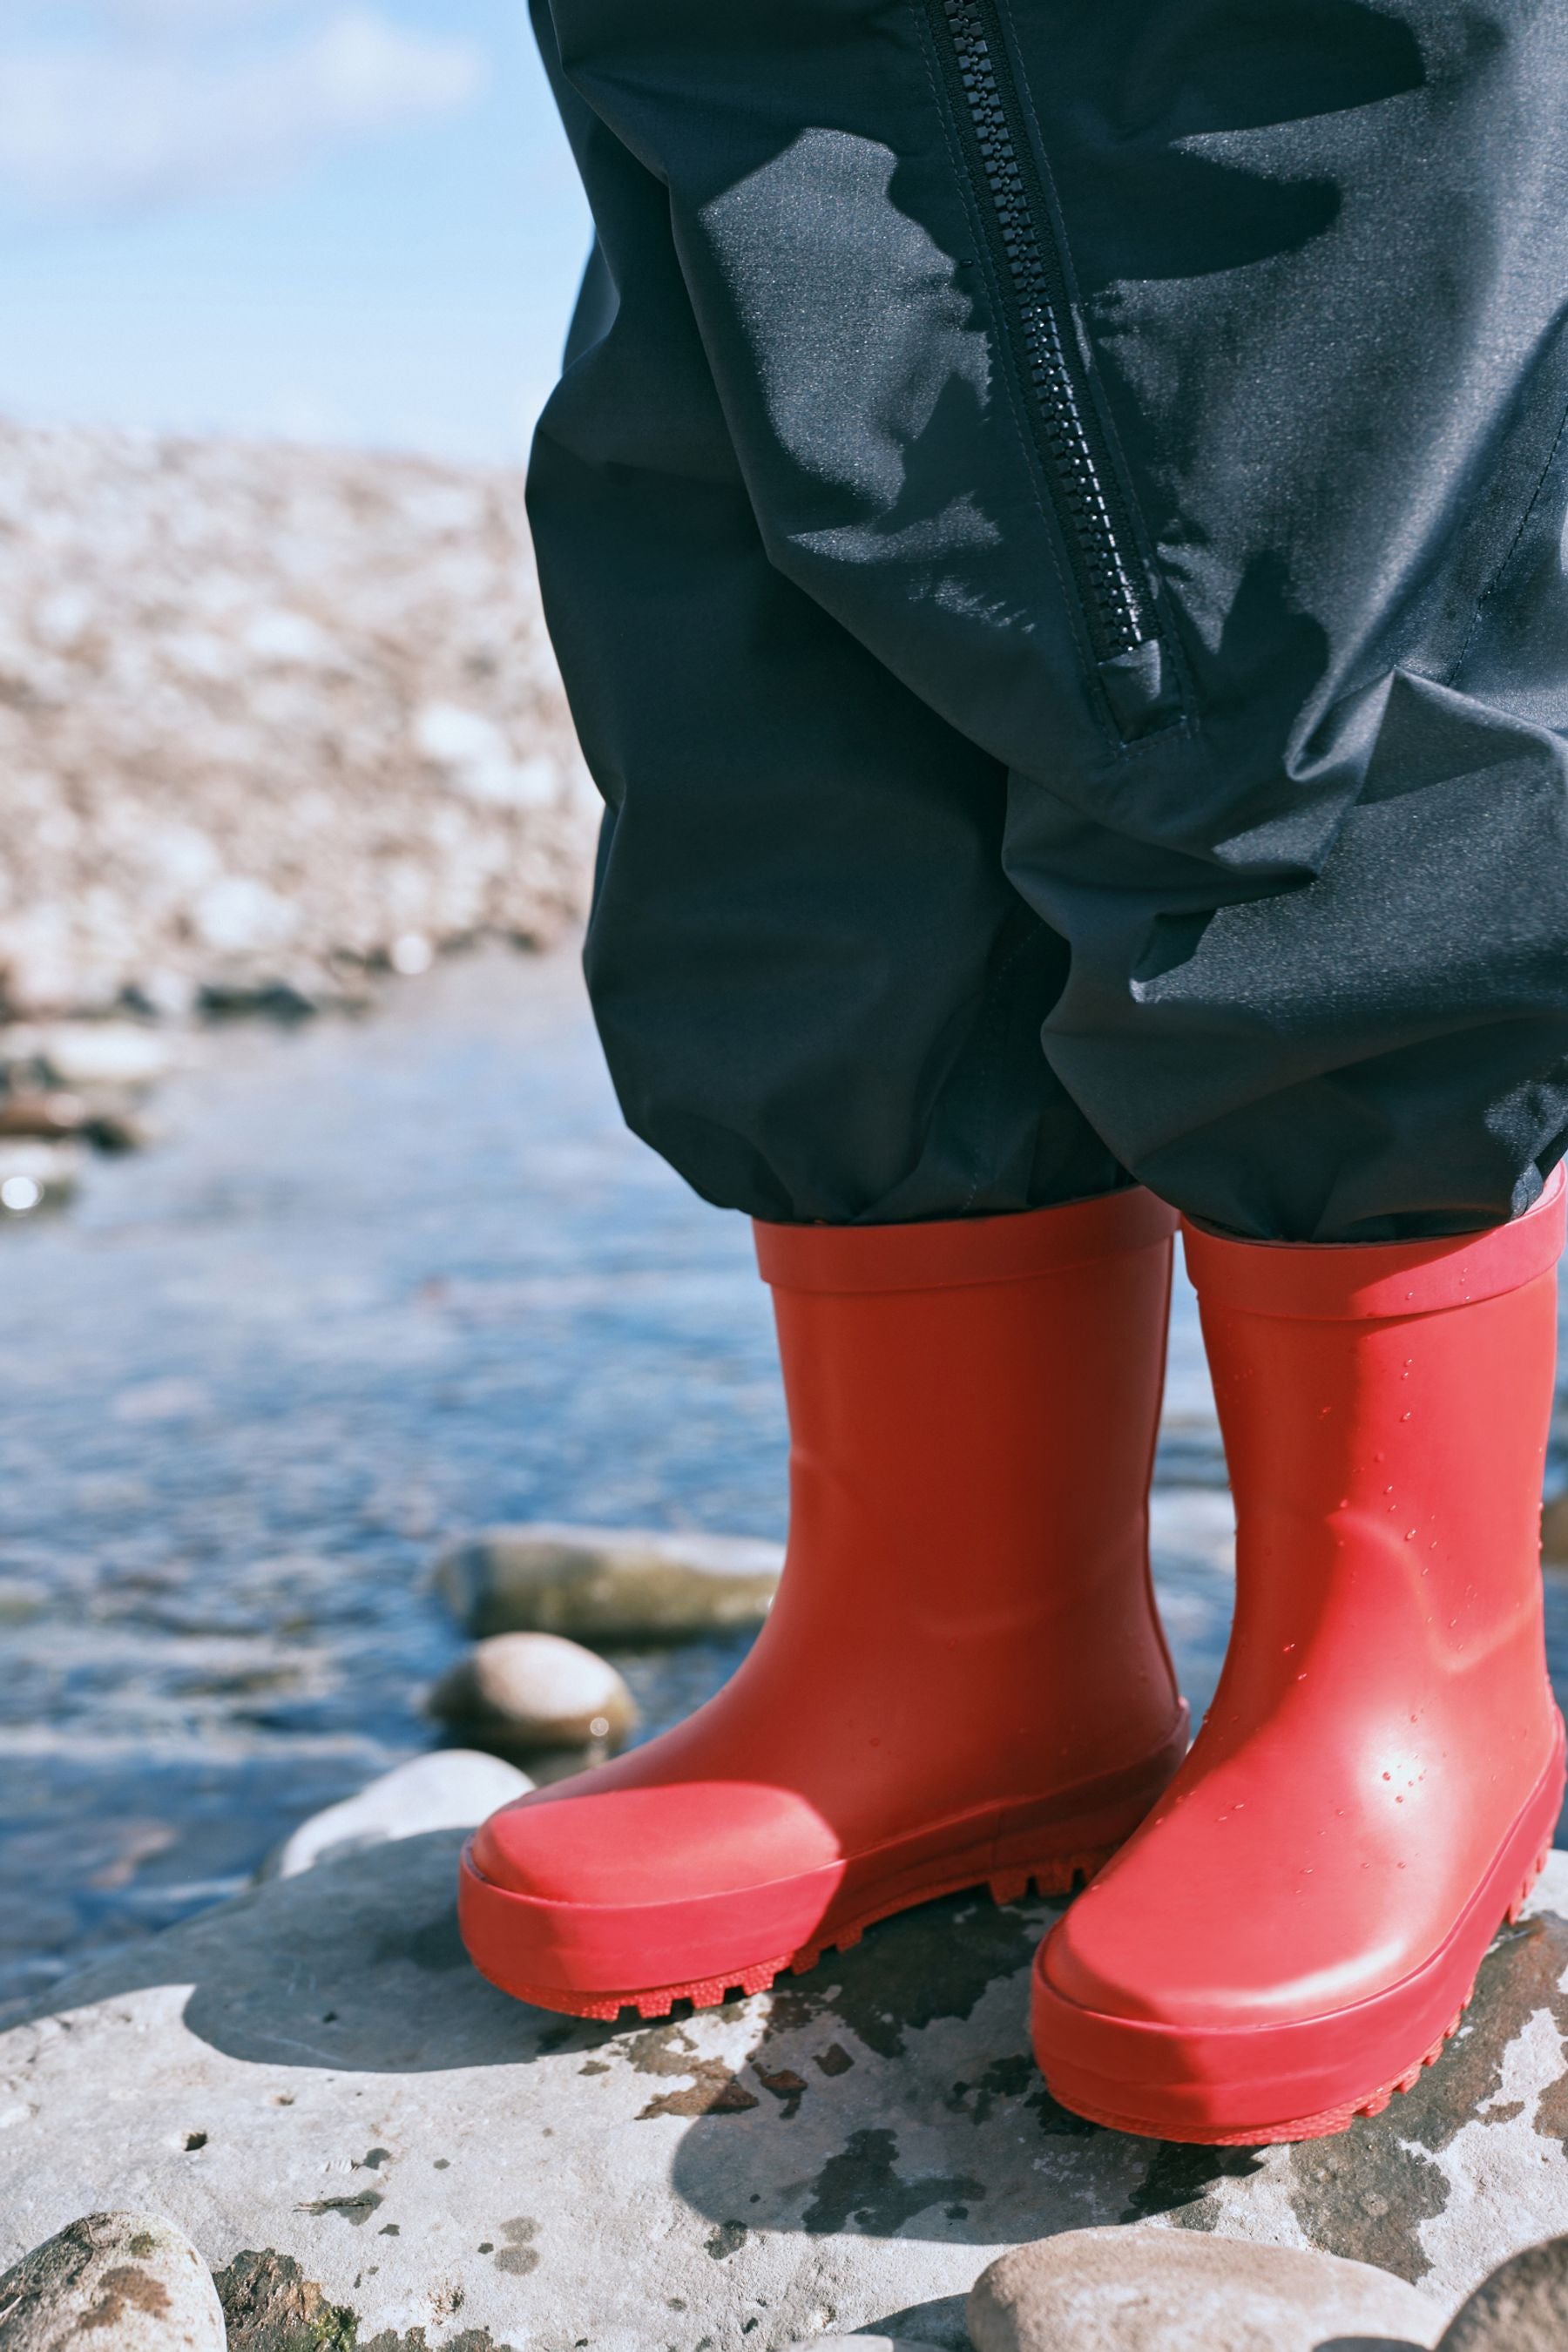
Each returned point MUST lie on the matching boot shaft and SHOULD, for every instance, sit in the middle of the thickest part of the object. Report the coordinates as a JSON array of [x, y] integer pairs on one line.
[[973, 1409], [1385, 1412], [972, 1406]]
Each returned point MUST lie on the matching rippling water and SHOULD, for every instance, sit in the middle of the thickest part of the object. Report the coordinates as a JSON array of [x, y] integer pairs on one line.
[[384, 1281]]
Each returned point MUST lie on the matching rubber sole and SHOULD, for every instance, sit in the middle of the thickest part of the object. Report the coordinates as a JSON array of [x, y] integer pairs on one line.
[[1062, 1877], [1221, 2087], [1050, 1844]]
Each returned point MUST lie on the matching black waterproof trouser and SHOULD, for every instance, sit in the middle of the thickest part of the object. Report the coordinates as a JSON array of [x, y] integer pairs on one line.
[[1053, 529]]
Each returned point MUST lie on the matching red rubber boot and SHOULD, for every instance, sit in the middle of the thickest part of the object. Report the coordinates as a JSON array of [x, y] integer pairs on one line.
[[963, 1679], [1297, 1928]]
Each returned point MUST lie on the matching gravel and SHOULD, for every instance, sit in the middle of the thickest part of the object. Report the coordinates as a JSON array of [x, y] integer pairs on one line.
[[269, 716]]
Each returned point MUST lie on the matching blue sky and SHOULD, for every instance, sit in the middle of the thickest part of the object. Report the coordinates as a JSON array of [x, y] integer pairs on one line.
[[351, 220]]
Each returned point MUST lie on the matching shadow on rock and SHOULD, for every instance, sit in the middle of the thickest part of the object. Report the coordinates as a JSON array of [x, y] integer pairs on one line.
[[356, 1966], [941, 2323], [887, 2094], [891, 2092]]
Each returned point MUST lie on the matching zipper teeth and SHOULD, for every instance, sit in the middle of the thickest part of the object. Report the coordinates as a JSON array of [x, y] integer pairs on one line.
[[1117, 603]]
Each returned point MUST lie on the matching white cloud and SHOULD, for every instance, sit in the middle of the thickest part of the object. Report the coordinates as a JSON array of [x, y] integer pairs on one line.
[[109, 126]]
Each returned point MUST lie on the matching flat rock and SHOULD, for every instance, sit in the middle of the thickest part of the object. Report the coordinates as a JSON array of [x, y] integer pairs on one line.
[[1154, 2290], [532, 1691], [111, 2283], [450, 1789], [607, 1584], [102, 1053], [1521, 2307], [312, 2075]]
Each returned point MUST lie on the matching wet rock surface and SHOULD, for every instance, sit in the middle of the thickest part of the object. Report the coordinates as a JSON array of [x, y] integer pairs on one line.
[[312, 2075], [111, 2283], [1154, 2290]]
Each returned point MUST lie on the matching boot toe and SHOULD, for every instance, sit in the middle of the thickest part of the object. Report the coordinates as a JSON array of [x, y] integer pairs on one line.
[[667, 1843], [1164, 1938]]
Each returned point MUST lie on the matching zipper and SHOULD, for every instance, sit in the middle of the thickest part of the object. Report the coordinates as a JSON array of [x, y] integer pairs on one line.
[[1117, 604]]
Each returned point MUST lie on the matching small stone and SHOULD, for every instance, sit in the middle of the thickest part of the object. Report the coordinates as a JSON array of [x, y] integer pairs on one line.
[[237, 914], [53, 1115], [284, 636], [609, 1584], [528, 1691], [1153, 2290], [34, 1176], [110, 1127], [167, 995], [48, 1114], [266, 999], [450, 1789], [129, 2281], [410, 954], [1521, 2307], [450, 737], [102, 1054]]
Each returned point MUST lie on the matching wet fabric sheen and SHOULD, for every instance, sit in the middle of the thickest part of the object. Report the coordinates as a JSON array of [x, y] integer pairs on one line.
[[921, 894]]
